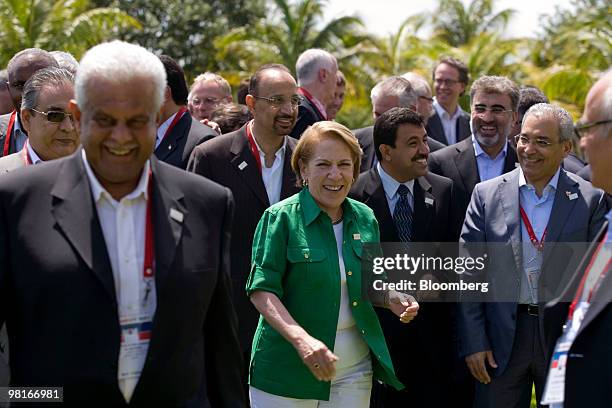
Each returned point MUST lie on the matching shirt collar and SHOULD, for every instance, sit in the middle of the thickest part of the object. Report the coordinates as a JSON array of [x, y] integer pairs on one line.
[[390, 185], [318, 104], [443, 113], [312, 210], [279, 153], [552, 183], [161, 130], [33, 156], [479, 151], [98, 191]]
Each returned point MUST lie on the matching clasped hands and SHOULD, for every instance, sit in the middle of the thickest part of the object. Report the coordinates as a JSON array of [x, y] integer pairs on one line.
[[402, 305]]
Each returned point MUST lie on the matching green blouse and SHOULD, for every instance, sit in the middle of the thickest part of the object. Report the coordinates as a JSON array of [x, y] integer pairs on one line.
[[295, 257]]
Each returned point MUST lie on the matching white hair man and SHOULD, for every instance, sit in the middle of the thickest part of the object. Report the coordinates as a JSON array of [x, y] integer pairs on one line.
[[423, 92], [110, 248], [316, 71], [208, 91]]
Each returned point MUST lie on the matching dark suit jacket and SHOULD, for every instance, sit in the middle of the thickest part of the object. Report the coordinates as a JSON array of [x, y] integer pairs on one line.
[[585, 172], [307, 115], [58, 298], [425, 346], [458, 162], [435, 130], [176, 148], [4, 121], [587, 375], [365, 137], [573, 164], [494, 217], [221, 160]]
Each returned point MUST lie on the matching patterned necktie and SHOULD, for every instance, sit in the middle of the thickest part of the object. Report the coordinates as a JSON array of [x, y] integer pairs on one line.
[[402, 216]]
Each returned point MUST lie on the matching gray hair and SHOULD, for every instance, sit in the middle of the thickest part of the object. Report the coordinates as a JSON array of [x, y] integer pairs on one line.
[[211, 76], [32, 53], [560, 115], [310, 62], [66, 60], [419, 83], [497, 85], [42, 79], [120, 62], [395, 86]]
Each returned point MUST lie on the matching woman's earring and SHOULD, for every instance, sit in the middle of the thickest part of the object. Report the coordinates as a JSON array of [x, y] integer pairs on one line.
[[304, 182]]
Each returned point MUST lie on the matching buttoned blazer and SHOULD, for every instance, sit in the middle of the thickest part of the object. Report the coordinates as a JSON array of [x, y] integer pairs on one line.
[[365, 137], [494, 217], [589, 358], [307, 115], [435, 130], [227, 160], [176, 148], [458, 163], [58, 298], [11, 162]]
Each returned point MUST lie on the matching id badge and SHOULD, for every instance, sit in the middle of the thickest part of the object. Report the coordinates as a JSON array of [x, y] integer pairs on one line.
[[554, 390]]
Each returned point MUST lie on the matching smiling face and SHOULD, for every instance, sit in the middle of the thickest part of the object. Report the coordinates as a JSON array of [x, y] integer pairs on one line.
[[48, 139], [206, 96], [492, 129], [329, 173], [540, 163], [408, 159], [447, 85], [118, 129]]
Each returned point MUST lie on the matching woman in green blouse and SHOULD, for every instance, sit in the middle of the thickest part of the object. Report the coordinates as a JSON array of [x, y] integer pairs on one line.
[[317, 339]]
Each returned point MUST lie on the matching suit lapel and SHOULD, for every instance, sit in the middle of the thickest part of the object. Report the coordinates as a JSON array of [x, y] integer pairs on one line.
[[375, 198], [172, 141], [246, 166], [423, 209], [511, 160], [465, 161], [436, 129], [509, 199], [562, 206], [75, 214]]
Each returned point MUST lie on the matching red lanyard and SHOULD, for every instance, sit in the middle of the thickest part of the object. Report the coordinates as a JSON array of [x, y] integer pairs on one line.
[[149, 255], [538, 244], [309, 96], [26, 155], [253, 146], [177, 117], [9, 132], [574, 303]]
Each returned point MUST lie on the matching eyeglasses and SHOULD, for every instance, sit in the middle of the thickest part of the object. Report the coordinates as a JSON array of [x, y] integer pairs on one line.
[[54, 116], [428, 99], [522, 140], [579, 128], [495, 110], [447, 82], [205, 101], [278, 101]]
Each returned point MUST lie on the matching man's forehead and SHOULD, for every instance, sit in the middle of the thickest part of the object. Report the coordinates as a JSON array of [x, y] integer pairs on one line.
[[494, 97]]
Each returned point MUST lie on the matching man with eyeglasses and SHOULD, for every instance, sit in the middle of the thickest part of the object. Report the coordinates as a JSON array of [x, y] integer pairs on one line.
[[44, 115], [208, 91], [20, 68], [578, 324], [527, 210], [392, 92], [254, 163], [449, 124]]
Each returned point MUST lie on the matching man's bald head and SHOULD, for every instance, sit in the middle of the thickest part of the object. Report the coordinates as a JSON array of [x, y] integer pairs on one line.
[[595, 128], [22, 66]]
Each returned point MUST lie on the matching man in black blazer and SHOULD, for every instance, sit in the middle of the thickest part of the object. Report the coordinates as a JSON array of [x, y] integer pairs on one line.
[[580, 319], [392, 92], [178, 133], [316, 71], [487, 153], [254, 162], [426, 348], [113, 271], [449, 124]]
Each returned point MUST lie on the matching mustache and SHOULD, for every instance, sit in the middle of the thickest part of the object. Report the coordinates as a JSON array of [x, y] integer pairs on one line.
[[419, 157]]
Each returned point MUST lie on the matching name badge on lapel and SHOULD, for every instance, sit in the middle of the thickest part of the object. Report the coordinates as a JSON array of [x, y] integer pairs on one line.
[[176, 215], [242, 165]]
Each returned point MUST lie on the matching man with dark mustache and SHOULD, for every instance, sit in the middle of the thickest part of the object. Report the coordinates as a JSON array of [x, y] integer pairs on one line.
[[400, 143], [253, 162]]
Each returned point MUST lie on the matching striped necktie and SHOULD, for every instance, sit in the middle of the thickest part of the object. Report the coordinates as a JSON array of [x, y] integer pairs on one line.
[[402, 216]]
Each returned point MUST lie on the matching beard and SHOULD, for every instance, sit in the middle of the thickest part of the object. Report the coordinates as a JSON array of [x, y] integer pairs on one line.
[[490, 141]]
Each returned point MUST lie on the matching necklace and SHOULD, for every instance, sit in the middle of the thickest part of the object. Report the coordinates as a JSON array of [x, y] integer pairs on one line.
[[339, 219]]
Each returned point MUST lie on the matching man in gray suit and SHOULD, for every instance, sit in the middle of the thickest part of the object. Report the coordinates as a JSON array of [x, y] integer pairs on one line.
[[528, 208]]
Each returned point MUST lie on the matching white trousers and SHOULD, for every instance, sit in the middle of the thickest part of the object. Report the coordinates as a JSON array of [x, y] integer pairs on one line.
[[350, 388]]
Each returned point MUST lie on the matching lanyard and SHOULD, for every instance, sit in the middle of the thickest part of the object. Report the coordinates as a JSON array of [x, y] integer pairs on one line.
[[26, 154], [538, 244], [149, 257], [574, 303], [310, 98], [177, 117], [253, 146], [9, 132]]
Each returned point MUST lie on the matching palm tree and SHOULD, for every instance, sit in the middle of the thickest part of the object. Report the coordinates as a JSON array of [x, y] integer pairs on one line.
[[67, 25], [457, 25]]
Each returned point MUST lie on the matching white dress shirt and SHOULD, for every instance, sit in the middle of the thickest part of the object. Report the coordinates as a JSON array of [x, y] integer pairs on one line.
[[272, 176], [123, 226], [449, 123]]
